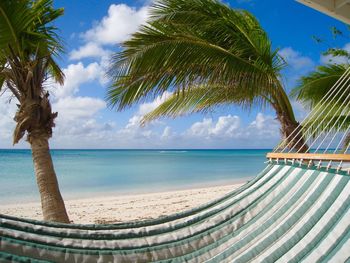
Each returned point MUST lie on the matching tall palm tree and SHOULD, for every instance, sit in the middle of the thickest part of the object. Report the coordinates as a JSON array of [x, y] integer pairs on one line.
[[313, 87], [28, 46], [207, 54]]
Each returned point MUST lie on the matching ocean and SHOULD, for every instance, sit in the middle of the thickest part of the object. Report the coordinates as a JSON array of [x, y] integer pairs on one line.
[[88, 173]]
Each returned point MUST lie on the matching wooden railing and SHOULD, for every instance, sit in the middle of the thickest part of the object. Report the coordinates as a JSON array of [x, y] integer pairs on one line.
[[338, 157]]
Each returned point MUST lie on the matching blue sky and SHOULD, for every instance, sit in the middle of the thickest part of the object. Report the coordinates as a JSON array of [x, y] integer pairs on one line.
[[93, 29]]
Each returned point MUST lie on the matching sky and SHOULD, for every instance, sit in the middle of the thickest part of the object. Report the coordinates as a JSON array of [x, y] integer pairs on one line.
[[92, 30]]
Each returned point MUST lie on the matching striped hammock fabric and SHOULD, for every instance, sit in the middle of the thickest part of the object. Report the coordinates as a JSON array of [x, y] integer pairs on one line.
[[288, 213]]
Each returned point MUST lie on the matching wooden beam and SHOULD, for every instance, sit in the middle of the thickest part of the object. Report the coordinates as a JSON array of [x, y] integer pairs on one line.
[[310, 156], [339, 3], [339, 9]]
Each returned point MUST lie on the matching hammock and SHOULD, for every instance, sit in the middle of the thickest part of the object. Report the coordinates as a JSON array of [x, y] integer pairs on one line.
[[296, 210], [287, 214]]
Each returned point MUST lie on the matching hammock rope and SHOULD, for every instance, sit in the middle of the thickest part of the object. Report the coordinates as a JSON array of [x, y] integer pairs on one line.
[[320, 129], [345, 113], [343, 109], [316, 114], [322, 122], [321, 118]]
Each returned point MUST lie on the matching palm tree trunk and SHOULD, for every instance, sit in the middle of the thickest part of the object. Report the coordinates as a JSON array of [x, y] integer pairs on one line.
[[346, 143], [51, 200], [295, 139], [290, 128], [35, 117]]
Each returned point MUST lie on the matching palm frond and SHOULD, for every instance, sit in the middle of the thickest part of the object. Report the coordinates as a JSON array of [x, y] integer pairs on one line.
[[14, 19], [25, 26], [332, 103], [334, 123], [55, 70], [29, 45], [202, 99], [27, 37], [190, 43], [312, 88]]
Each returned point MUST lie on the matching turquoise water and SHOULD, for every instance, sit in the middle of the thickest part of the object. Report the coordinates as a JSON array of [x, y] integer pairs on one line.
[[85, 173]]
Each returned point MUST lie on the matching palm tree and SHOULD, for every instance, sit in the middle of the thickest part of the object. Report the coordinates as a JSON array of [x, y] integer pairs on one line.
[[314, 87], [207, 54], [28, 46]]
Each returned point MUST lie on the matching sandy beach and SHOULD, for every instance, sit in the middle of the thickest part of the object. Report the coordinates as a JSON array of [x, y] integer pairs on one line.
[[121, 208]]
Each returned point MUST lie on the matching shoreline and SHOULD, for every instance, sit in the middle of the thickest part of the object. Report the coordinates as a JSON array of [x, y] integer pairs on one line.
[[88, 194], [119, 208]]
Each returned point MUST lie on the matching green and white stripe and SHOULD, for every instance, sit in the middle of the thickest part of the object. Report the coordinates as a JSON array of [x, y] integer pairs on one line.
[[286, 214]]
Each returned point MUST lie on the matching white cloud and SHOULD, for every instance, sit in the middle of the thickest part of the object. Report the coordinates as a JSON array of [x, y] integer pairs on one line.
[[76, 75], [77, 115], [337, 60], [77, 124], [226, 126], [88, 50], [259, 122], [224, 132], [147, 107], [134, 128], [297, 66], [116, 27], [202, 128], [264, 126], [167, 133], [72, 108], [133, 124], [7, 124], [230, 131], [204, 134], [120, 22], [295, 59]]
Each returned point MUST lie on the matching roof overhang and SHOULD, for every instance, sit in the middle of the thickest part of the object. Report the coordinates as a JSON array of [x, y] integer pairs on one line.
[[339, 9]]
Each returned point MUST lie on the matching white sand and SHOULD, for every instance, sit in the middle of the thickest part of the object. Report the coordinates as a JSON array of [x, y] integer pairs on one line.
[[114, 209]]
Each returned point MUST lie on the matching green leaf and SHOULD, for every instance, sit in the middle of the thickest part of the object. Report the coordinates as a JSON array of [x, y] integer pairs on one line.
[[312, 91], [191, 43], [206, 53], [29, 45]]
